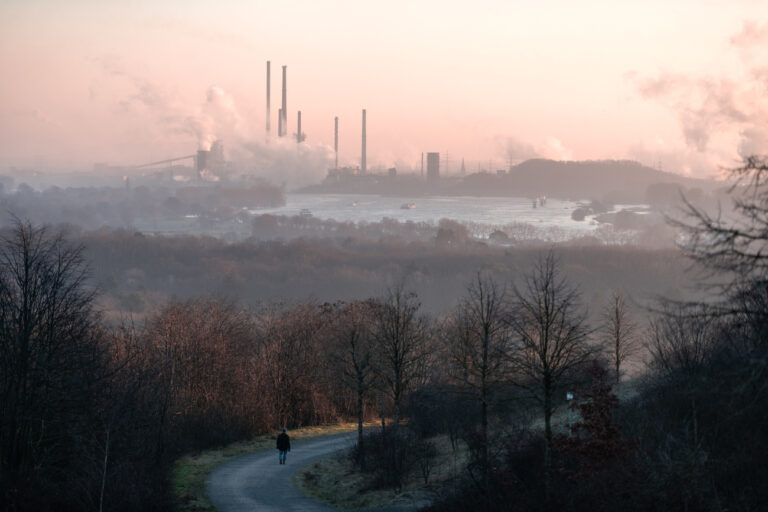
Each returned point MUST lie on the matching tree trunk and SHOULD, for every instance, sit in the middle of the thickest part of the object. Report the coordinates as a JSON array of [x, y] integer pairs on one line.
[[547, 434], [484, 412], [104, 472], [361, 453]]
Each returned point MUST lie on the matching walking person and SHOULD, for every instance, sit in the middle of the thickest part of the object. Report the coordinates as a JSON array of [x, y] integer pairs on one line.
[[283, 445]]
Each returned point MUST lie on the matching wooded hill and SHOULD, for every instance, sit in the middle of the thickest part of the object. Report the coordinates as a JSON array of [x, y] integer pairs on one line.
[[621, 181]]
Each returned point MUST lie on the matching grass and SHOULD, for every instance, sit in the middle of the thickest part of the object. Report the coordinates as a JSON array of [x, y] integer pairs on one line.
[[336, 481], [333, 480], [189, 472]]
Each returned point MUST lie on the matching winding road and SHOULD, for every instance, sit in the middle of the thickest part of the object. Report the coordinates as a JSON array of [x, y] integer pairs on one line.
[[256, 482]]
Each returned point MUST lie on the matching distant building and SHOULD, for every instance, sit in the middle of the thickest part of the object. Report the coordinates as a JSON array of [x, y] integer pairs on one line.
[[216, 155], [433, 166]]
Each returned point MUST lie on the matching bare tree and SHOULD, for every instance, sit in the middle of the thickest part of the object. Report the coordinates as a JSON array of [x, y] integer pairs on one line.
[[732, 246], [551, 338], [401, 337], [290, 363], [352, 355], [480, 343], [50, 358], [198, 349], [619, 332], [680, 339], [400, 334]]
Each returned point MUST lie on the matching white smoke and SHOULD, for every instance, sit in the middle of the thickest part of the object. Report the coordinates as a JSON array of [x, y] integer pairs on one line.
[[556, 150], [217, 117], [721, 115], [754, 141], [516, 151], [283, 161]]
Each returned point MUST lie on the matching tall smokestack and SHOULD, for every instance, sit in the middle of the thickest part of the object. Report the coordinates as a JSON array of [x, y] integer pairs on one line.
[[284, 107], [362, 159], [298, 128], [268, 103], [336, 141], [279, 122]]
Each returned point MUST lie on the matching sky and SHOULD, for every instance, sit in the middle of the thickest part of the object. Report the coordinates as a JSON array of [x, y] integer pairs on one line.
[[681, 85]]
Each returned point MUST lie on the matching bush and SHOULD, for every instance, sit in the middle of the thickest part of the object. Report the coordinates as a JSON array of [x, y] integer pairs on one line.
[[392, 455]]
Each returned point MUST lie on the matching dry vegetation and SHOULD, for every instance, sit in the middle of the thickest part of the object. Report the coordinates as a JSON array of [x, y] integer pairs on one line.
[[337, 481], [190, 471], [95, 413]]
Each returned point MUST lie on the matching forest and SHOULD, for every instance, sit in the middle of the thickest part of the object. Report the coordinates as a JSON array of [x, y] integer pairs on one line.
[[120, 352]]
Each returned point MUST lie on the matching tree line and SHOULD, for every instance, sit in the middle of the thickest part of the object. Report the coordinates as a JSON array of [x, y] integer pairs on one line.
[[692, 434], [94, 412]]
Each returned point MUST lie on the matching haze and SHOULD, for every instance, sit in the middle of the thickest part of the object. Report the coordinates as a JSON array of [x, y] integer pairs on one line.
[[681, 87]]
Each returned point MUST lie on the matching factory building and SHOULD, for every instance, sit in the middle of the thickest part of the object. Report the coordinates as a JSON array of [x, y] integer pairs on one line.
[[433, 166], [209, 162]]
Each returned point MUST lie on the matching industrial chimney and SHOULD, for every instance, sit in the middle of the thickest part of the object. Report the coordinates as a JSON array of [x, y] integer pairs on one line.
[[362, 159], [201, 162], [284, 108], [268, 114], [336, 141], [279, 122], [299, 138]]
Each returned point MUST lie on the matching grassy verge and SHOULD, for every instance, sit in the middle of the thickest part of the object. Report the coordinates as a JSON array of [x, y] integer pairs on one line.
[[337, 482], [189, 472]]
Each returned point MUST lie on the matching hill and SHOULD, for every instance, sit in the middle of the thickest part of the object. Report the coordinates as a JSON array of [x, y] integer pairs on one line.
[[613, 180]]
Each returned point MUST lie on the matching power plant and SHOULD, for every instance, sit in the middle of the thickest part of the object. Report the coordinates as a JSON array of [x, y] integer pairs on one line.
[[433, 166], [208, 162]]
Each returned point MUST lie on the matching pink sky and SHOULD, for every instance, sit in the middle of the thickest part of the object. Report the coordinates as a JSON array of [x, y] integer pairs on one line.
[[680, 83]]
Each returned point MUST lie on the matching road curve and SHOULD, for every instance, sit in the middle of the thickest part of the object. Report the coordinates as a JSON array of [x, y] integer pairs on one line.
[[256, 482]]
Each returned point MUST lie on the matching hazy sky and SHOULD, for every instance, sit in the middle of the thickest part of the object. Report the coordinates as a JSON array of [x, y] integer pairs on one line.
[[683, 83]]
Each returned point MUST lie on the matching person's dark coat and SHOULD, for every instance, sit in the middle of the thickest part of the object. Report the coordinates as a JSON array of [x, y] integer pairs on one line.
[[284, 442]]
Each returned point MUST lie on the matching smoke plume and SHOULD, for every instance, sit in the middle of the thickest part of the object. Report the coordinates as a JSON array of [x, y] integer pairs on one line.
[[721, 108], [217, 117]]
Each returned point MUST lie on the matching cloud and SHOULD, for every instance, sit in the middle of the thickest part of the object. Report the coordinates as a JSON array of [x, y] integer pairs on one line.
[[754, 141], [752, 33], [703, 105], [730, 110], [34, 114]]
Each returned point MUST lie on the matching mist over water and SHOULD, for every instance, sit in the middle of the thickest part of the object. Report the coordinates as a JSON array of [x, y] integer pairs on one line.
[[489, 211]]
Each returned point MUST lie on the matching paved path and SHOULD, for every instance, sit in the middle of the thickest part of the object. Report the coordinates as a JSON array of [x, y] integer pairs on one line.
[[256, 482]]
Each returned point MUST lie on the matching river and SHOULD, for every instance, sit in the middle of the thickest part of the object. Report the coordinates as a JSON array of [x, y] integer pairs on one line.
[[488, 211]]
